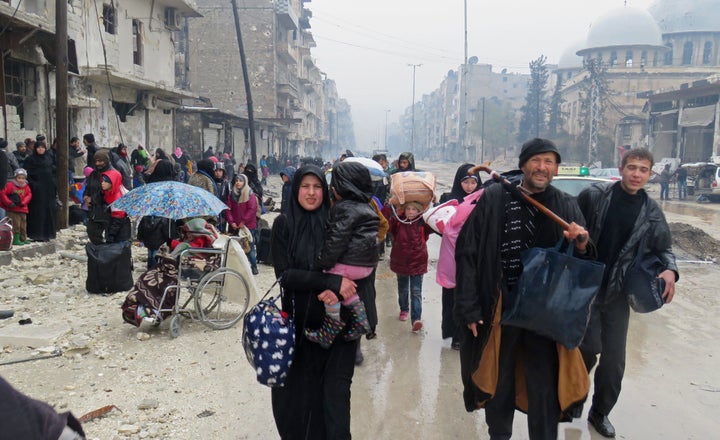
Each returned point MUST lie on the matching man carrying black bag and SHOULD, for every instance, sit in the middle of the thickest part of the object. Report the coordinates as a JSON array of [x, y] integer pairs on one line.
[[488, 266], [619, 215]]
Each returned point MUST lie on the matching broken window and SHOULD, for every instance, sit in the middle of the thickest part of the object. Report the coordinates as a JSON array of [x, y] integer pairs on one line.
[[109, 19], [643, 58], [20, 84], [629, 58], [613, 59], [137, 32], [687, 53], [707, 52]]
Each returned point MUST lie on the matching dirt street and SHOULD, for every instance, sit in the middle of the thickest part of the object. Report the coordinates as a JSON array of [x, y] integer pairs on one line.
[[200, 386]]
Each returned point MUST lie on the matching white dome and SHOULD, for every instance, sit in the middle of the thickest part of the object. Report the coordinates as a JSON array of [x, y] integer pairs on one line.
[[676, 16], [569, 58], [624, 27]]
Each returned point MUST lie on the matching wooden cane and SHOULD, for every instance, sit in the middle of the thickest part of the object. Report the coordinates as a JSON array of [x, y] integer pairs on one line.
[[523, 192]]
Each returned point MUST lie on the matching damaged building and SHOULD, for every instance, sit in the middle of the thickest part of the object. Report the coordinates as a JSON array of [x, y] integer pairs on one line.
[[122, 69]]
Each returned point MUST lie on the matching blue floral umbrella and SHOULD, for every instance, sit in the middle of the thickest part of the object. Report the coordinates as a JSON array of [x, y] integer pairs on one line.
[[170, 199]]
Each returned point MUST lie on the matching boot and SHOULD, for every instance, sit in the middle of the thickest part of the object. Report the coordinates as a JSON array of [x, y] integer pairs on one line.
[[359, 324], [17, 241], [327, 332]]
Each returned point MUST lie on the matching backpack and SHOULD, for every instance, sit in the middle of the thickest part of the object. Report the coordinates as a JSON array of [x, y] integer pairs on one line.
[[151, 231]]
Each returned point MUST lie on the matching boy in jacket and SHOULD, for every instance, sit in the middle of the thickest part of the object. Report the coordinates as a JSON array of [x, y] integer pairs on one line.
[[618, 215]]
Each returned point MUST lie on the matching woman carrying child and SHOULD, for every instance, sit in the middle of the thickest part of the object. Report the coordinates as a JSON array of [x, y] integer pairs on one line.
[[349, 250]]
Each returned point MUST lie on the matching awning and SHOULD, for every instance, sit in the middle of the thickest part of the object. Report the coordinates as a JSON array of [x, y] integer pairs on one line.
[[697, 116]]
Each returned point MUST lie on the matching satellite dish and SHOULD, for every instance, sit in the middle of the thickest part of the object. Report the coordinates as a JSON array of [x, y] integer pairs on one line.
[[473, 60]]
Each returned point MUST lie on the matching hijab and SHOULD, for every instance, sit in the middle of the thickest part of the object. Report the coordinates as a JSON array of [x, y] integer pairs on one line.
[[457, 191], [241, 195], [306, 229]]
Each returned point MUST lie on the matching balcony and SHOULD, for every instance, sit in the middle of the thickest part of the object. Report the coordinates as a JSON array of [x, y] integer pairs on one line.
[[286, 14], [287, 86], [285, 54]]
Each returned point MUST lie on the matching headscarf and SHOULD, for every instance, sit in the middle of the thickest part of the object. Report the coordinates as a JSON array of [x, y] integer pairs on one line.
[[241, 195], [457, 191], [252, 175], [351, 181], [306, 228]]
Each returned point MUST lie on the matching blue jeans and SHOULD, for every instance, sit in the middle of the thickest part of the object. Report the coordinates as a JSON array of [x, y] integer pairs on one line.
[[682, 189], [410, 284], [152, 261], [252, 255], [664, 191]]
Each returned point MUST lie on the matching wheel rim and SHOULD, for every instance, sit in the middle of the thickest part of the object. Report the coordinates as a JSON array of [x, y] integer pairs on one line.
[[221, 298]]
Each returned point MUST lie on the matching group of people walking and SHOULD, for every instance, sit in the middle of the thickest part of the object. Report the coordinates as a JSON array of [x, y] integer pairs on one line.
[[608, 222]]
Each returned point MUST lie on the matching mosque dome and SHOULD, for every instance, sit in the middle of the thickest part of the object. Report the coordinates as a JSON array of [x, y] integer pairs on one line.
[[624, 26], [677, 16], [569, 58]]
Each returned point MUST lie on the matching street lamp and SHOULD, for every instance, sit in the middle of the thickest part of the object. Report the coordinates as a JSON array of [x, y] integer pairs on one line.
[[386, 126], [412, 128]]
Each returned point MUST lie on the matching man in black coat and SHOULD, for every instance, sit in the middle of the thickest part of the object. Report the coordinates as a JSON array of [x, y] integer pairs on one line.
[[488, 269], [619, 215]]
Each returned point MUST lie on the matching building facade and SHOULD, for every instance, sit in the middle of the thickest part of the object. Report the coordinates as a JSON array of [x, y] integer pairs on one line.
[[641, 54], [290, 107], [122, 69]]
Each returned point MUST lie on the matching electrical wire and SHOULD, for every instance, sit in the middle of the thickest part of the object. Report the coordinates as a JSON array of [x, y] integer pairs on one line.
[[11, 18], [389, 52], [385, 37], [107, 71]]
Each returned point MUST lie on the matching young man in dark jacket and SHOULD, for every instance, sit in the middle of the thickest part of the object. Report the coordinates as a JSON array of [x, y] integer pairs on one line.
[[618, 216]]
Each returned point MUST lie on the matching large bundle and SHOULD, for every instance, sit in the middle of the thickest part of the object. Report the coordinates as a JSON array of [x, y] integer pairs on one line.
[[412, 186]]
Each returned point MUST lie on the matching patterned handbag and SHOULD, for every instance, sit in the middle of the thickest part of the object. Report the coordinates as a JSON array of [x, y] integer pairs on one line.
[[269, 340]]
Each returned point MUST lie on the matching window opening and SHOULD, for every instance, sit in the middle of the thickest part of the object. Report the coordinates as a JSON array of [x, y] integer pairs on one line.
[[707, 52], [137, 32], [687, 53], [109, 19]]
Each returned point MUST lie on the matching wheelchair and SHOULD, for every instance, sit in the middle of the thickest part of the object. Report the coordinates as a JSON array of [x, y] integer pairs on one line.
[[206, 289]]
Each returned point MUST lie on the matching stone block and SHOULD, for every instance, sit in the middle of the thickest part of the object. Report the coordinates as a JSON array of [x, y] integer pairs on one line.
[[32, 335], [34, 249]]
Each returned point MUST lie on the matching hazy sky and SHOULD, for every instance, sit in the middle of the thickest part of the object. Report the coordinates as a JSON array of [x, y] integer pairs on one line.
[[366, 46]]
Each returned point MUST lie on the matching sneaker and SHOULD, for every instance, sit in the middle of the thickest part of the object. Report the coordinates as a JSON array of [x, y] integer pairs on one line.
[[417, 326], [403, 316]]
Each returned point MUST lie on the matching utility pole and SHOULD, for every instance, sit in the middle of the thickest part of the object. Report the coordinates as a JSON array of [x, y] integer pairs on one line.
[[412, 128], [482, 133], [386, 127], [246, 79], [463, 90], [61, 109]]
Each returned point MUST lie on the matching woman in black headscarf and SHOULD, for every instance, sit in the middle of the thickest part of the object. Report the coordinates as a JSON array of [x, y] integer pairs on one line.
[[463, 185], [41, 177], [315, 401], [252, 174]]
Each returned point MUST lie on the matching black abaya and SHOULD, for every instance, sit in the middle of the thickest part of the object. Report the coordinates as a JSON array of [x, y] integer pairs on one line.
[[43, 205]]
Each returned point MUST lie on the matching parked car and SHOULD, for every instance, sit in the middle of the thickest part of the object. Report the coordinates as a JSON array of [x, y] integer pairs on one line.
[[703, 180], [606, 173], [573, 185]]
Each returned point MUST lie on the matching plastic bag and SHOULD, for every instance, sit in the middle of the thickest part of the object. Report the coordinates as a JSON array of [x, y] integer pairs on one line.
[[445, 273], [554, 294]]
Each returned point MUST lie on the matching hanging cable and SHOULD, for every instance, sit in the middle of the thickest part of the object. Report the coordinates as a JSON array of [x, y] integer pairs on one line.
[[107, 71]]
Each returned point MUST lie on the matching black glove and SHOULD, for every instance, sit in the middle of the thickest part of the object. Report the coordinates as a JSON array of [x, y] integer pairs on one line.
[[15, 199]]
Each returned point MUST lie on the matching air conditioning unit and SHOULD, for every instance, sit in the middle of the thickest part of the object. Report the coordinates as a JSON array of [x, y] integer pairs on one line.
[[149, 101], [172, 19]]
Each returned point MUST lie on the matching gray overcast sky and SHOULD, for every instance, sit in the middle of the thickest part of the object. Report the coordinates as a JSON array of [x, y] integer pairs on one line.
[[366, 46]]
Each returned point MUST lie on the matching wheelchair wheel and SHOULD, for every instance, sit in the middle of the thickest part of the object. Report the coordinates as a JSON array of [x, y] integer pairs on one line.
[[175, 326], [221, 298]]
